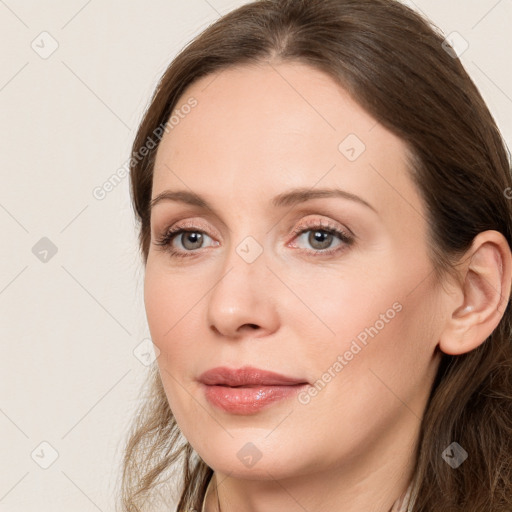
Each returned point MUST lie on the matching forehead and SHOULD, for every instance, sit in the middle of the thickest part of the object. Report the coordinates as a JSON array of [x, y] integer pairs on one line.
[[257, 130]]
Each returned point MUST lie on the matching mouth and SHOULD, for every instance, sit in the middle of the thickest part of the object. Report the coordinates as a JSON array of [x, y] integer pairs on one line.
[[247, 390], [247, 376]]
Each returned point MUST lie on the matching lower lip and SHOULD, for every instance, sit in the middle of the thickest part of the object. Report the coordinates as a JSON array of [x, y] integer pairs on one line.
[[248, 400]]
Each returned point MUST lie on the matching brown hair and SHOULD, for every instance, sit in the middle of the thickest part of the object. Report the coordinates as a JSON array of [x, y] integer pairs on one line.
[[393, 63]]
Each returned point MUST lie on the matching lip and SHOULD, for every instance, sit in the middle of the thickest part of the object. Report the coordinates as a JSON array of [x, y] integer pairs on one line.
[[246, 376], [247, 390]]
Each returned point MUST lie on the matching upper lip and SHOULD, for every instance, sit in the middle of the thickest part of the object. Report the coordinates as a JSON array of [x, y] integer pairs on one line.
[[246, 376]]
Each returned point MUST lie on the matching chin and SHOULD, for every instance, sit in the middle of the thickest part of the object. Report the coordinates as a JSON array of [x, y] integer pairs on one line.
[[252, 461]]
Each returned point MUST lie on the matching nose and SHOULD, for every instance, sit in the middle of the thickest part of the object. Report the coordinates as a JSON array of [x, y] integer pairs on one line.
[[243, 302]]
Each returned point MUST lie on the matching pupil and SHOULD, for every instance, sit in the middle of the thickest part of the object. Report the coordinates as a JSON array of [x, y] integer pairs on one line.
[[194, 239], [320, 237]]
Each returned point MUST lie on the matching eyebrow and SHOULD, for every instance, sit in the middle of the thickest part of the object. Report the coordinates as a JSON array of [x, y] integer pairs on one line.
[[285, 199]]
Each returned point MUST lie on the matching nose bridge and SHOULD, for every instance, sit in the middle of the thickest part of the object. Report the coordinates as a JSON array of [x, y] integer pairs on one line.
[[243, 294], [247, 253]]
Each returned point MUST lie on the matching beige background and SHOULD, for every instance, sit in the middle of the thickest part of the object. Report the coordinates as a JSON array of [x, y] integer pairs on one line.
[[72, 326]]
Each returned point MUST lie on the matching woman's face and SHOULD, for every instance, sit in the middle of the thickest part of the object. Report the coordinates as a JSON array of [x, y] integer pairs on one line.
[[353, 312]]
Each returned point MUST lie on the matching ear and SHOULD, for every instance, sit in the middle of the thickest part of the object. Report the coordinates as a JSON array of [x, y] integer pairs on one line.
[[485, 290]]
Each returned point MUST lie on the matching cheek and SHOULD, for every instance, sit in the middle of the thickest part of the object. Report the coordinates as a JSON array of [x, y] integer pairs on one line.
[[158, 305], [376, 326], [171, 316], [347, 306]]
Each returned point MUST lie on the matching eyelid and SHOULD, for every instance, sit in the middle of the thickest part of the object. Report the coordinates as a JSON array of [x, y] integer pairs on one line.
[[321, 224], [308, 223], [191, 224]]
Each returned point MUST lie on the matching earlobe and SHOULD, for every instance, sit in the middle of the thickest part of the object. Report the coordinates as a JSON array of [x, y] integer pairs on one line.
[[486, 287]]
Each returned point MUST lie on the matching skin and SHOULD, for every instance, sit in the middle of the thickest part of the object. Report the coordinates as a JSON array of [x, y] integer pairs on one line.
[[260, 131]]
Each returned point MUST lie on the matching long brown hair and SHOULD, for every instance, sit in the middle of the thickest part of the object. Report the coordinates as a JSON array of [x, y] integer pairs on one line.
[[394, 64]]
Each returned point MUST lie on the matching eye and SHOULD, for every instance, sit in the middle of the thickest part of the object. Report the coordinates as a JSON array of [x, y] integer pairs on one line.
[[185, 241], [321, 236], [189, 239]]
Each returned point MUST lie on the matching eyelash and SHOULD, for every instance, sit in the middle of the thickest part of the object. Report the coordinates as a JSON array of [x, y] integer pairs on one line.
[[344, 237]]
